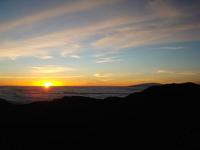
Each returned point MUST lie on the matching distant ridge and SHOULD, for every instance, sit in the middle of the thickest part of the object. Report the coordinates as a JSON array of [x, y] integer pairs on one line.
[[145, 85]]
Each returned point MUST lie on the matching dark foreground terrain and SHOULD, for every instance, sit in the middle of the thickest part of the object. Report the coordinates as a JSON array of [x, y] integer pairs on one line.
[[164, 117]]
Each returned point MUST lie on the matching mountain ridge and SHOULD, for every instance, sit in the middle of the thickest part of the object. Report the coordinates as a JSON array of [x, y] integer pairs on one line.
[[164, 116]]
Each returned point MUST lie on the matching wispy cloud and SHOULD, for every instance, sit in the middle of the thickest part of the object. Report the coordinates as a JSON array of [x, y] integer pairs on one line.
[[50, 69], [144, 34], [67, 9], [71, 49], [109, 60], [112, 33], [45, 57], [172, 47], [65, 42], [39, 77], [182, 73], [75, 56], [164, 9], [164, 72], [103, 75]]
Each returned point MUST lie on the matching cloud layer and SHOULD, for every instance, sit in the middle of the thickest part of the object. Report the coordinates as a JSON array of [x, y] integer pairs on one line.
[[158, 21]]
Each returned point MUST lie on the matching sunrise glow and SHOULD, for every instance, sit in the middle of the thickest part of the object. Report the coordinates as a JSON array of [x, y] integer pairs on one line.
[[48, 84], [73, 43]]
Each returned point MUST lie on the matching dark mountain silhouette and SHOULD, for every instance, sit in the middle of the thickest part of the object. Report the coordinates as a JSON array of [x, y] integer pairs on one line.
[[144, 85], [164, 117]]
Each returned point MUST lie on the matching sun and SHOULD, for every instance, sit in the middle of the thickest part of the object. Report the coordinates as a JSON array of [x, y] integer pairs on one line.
[[47, 84]]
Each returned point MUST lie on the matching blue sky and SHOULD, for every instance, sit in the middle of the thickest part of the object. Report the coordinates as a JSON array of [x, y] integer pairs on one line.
[[88, 42]]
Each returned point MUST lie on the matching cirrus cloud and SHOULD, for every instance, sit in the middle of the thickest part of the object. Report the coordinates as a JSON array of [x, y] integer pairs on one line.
[[51, 69]]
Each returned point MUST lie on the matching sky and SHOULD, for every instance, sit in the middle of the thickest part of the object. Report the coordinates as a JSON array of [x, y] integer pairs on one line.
[[99, 42]]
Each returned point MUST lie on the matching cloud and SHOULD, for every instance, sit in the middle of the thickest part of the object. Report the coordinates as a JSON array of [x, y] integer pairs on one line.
[[33, 47], [183, 73], [67, 8], [103, 75], [164, 9], [13, 53], [70, 49], [108, 60], [163, 22], [50, 69], [129, 36], [39, 77], [111, 33], [65, 42], [172, 47], [164, 72], [45, 57], [75, 56]]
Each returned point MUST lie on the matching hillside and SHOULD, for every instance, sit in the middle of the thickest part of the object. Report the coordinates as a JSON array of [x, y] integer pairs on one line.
[[164, 116]]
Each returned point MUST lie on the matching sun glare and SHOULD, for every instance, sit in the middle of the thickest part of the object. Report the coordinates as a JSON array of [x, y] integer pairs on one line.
[[47, 84]]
